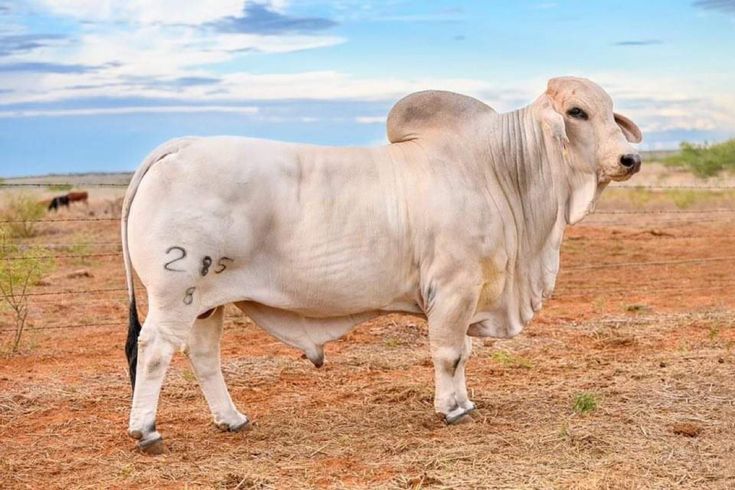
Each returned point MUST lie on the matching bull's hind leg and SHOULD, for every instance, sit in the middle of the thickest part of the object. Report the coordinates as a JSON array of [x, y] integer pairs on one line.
[[158, 340], [448, 323], [204, 354]]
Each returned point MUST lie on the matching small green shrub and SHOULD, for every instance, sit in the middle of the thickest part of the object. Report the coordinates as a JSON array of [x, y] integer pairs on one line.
[[392, 342], [705, 160], [684, 198], [585, 402], [508, 359], [20, 269], [22, 212], [638, 308]]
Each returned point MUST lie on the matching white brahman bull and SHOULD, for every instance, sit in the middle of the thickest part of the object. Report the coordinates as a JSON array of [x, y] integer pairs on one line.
[[460, 218]]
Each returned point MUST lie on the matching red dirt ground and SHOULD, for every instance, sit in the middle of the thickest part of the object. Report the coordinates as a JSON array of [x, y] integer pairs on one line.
[[652, 344]]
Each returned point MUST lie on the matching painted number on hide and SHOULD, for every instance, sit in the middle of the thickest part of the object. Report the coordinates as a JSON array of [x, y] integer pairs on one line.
[[222, 264], [206, 262], [189, 296], [182, 254]]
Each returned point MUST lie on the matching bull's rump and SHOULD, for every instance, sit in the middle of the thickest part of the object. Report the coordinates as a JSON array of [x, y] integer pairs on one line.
[[314, 230]]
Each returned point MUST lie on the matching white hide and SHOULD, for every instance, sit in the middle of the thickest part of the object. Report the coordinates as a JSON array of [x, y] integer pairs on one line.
[[459, 218], [339, 234]]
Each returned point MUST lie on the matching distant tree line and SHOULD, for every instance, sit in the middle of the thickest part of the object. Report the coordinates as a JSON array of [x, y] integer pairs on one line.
[[705, 160]]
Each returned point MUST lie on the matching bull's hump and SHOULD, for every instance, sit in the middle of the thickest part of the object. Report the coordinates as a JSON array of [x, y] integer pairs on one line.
[[422, 113]]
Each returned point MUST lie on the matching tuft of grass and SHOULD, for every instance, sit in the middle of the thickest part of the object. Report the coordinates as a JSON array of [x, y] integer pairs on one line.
[[585, 403], [392, 342], [510, 360], [640, 197], [684, 198], [705, 160], [664, 199], [638, 308], [20, 268], [600, 304], [22, 212], [564, 431]]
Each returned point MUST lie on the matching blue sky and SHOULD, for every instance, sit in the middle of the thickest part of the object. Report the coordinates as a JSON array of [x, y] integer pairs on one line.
[[94, 85]]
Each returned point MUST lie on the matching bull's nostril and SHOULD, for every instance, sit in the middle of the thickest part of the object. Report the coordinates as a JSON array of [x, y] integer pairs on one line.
[[631, 160]]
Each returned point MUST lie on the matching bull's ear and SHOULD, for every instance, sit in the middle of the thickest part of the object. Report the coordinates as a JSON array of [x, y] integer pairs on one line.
[[551, 120], [630, 130]]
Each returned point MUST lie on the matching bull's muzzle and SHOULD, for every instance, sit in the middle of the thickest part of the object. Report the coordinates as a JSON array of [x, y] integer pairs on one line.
[[632, 162]]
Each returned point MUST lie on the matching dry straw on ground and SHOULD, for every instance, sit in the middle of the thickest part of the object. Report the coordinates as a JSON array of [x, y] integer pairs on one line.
[[653, 347]]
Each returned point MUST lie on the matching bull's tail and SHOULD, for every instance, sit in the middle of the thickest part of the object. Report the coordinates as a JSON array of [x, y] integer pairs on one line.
[[134, 326], [131, 344]]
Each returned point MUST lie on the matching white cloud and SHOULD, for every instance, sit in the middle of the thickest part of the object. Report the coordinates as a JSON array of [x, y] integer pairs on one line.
[[335, 85], [704, 103], [274, 44], [136, 47], [322, 85], [129, 110], [145, 11], [657, 105], [370, 119], [129, 46], [139, 49]]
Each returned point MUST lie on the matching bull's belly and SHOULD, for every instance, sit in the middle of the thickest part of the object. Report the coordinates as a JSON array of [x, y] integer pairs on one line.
[[320, 295]]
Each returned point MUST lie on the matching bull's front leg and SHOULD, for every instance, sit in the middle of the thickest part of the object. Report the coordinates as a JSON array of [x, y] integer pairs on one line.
[[460, 383], [204, 353], [449, 316]]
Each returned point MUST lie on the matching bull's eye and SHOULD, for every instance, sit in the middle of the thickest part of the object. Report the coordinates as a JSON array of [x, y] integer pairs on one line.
[[577, 113]]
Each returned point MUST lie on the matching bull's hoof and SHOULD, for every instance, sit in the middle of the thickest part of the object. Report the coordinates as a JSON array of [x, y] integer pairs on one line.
[[241, 427], [152, 447], [459, 416]]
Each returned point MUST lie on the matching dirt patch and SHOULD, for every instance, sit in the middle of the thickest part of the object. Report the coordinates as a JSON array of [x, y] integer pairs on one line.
[[687, 429], [652, 345]]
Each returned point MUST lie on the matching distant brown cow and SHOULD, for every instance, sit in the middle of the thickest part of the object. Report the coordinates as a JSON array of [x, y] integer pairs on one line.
[[78, 196], [58, 202], [64, 201]]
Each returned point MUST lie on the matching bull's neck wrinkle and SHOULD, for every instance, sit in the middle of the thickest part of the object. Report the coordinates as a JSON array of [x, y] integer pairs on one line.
[[520, 162], [527, 172]]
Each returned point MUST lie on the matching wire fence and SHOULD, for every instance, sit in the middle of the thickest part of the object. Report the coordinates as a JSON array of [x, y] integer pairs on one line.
[[596, 213], [68, 256], [57, 220], [86, 250], [76, 185], [62, 185]]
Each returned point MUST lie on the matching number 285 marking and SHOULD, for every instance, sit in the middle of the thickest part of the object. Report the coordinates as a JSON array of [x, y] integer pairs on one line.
[[222, 263]]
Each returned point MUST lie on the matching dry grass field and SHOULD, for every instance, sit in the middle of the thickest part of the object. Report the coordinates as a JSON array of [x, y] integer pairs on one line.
[[625, 380]]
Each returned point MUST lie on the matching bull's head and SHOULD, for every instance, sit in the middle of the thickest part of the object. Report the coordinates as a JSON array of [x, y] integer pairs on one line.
[[595, 142], [579, 114]]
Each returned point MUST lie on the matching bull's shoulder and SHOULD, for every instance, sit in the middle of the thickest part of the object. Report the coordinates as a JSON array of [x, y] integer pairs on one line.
[[424, 112]]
